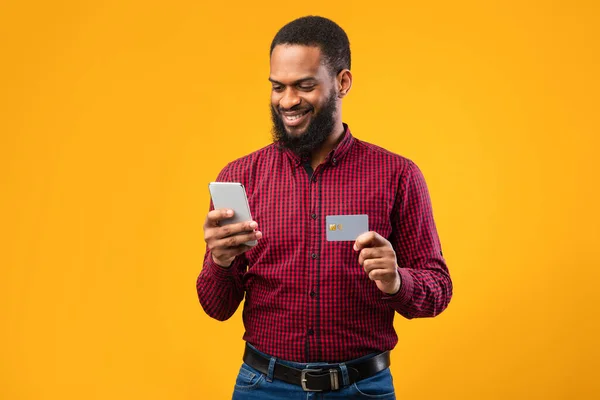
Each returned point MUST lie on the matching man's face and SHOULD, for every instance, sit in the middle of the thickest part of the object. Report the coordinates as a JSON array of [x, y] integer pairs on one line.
[[303, 99]]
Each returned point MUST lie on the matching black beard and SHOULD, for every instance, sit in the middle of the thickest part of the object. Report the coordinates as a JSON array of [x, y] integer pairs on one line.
[[316, 132]]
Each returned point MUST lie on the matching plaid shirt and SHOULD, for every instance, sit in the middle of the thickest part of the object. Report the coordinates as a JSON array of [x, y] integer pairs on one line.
[[308, 299]]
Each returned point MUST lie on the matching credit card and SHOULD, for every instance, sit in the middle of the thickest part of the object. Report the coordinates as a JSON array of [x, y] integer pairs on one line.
[[345, 227]]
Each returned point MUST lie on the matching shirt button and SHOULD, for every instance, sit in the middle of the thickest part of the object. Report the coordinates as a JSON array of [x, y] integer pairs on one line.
[[313, 294], [313, 216], [314, 255], [334, 161], [311, 332], [314, 178]]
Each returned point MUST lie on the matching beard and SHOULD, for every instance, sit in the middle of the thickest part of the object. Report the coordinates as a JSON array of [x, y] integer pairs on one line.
[[317, 131]]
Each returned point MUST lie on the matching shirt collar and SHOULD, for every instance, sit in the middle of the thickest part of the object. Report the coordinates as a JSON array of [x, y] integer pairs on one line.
[[335, 155]]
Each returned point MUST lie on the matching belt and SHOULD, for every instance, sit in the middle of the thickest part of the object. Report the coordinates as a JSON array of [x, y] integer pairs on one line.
[[318, 379]]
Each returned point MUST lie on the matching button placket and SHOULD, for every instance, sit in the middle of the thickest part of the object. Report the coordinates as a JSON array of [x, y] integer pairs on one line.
[[314, 248]]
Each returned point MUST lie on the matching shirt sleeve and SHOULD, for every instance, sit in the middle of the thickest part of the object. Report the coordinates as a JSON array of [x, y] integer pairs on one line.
[[426, 287], [221, 290]]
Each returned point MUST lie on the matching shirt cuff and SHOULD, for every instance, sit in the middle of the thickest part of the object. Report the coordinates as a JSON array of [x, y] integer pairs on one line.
[[405, 293], [218, 272]]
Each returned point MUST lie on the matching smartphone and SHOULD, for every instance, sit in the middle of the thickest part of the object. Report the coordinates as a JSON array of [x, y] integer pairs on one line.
[[232, 195]]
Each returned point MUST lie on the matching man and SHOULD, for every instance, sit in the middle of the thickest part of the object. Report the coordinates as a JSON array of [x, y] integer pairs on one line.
[[319, 314]]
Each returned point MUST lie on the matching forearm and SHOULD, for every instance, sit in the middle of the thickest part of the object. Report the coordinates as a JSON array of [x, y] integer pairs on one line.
[[426, 287], [220, 290]]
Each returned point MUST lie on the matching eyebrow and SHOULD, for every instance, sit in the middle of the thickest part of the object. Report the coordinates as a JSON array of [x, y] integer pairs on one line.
[[295, 82]]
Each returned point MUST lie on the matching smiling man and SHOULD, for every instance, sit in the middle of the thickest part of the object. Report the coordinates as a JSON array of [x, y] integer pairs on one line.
[[304, 102], [319, 312]]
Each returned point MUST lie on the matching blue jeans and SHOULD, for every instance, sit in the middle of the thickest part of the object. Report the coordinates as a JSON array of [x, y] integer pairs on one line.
[[252, 384]]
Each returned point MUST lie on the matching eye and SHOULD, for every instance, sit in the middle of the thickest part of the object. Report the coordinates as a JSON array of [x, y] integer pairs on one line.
[[277, 88], [306, 88]]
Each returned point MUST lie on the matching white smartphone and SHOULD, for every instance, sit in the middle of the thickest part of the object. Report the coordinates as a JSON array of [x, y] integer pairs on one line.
[[231, 195]]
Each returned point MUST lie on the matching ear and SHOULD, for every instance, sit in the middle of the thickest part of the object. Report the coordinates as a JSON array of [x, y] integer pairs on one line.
[[344, 82]]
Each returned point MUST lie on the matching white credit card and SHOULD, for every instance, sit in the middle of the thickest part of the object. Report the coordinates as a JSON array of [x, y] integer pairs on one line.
[[345, 227]]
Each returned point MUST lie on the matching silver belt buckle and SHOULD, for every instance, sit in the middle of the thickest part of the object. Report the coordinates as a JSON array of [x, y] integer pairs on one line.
[[303, 380], [333, 375]]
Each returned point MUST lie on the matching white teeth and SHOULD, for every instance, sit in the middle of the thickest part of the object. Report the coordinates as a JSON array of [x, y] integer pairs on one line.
[[295, 117]]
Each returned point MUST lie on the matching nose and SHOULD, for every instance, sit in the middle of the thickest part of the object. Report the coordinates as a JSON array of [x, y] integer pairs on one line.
[[290, 99]]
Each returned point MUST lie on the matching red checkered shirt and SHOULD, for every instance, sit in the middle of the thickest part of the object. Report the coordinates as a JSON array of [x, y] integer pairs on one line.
[[308, 299]]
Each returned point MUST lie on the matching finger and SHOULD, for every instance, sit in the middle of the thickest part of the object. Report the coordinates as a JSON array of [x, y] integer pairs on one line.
[[375, 263], [235, 240], [220, 232], [386, 252], [215, 216], [367, 253], [380, 274], [368, 239]]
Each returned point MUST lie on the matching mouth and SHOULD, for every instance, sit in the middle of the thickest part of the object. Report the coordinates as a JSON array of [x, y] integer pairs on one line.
[[295, 118]]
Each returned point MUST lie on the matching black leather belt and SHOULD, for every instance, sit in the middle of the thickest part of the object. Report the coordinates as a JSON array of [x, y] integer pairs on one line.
[[318, 379]]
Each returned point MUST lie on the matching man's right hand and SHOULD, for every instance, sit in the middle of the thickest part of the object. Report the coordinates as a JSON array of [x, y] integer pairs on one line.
[[223, 241]]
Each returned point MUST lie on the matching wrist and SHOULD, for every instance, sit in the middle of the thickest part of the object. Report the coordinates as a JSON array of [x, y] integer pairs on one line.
[[396, 287], [225, 264]]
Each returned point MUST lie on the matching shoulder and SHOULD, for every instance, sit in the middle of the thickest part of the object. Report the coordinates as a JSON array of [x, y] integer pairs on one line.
[[382, 157], [409, 181], [240, 169]]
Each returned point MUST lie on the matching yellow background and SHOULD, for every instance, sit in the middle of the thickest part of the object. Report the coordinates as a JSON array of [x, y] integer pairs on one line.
[[114, 116]]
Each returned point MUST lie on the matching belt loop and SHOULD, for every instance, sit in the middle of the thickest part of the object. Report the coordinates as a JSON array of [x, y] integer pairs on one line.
[[271, 369], [345, 377]]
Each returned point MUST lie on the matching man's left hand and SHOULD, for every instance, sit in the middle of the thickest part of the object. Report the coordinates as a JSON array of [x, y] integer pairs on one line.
[[378, 259]]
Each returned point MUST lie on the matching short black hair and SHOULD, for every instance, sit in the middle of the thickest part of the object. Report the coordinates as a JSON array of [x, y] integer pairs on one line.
[[319, 32]]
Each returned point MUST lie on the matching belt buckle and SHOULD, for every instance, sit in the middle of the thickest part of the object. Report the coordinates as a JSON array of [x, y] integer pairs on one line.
[[333, 376]]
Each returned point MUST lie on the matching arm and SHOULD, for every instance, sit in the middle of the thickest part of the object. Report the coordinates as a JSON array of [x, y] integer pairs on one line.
[[426, 287], [220, 287]]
